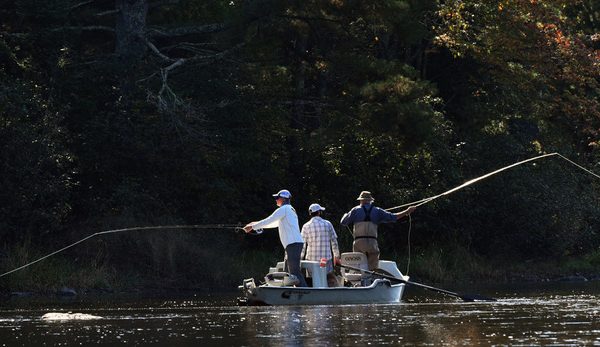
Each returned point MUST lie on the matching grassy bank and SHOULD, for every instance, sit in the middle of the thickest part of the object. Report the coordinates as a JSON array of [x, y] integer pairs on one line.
[[53, 273], [141, 262], [219, 261], [458, 265]]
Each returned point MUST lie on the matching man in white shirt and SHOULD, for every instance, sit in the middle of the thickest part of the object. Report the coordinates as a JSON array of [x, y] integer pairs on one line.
[[286, 220], [320, 241]]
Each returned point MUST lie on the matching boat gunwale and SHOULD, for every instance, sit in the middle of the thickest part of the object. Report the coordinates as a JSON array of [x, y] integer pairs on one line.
[[373, 285]]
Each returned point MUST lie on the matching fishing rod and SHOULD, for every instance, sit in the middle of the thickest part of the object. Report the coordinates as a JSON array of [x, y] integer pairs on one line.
[[236, 227], [464, 297], [480, 178]]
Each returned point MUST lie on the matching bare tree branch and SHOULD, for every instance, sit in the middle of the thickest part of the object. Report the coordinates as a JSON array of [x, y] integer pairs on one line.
[[203, 29], [147, 78], [87, 28], [76, 6], [105, 13], [209, 55], [195, 48], [216, 56], [177, 63], [166, 99], [16, 35], [155, 4], [155, 50], [307, 19]]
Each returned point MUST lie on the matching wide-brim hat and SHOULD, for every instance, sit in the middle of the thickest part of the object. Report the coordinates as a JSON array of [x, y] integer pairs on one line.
[[365, 195]]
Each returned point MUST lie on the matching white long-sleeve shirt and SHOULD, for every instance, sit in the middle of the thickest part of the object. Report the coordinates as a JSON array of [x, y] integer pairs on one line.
[[286, 219]]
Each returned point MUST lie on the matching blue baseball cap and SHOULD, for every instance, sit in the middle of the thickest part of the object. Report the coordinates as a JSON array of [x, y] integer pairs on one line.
[[283, 194]]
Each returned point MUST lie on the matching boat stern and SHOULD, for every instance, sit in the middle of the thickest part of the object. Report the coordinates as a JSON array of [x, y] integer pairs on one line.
[[246, 289], [249, 293]]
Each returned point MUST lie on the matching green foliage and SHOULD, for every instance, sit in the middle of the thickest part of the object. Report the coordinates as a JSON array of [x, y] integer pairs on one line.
[[225, 102], [36, 173], [452, 263], [54, 273], [529, 62], [524, 93]]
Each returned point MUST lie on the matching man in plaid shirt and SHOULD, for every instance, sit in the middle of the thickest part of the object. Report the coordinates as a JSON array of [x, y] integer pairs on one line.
[[320, 239]]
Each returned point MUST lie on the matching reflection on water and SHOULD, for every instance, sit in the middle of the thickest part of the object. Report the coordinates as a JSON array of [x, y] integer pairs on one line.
[[529, 316]]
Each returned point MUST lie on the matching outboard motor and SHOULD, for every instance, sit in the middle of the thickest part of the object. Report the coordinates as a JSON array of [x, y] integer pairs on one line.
[[359, 261]]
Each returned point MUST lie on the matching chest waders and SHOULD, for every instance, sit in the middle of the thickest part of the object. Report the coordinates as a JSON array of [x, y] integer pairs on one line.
[[365, 239]]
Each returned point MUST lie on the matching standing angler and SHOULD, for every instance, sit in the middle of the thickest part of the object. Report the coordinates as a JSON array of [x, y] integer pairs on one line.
[[366, 218], [286, 220], [320, 241]]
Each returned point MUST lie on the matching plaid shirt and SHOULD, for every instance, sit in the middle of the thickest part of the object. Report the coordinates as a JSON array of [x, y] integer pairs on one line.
[[319, 239]]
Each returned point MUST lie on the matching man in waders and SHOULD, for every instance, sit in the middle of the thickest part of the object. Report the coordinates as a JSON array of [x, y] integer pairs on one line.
[[286, 220], [366, 218]]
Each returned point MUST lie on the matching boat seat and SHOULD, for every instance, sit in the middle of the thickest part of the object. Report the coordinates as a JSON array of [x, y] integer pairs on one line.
[[281, 279], [357, 260]]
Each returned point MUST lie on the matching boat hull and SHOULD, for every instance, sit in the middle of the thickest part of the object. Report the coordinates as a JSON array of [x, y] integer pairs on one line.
[[381, 291]]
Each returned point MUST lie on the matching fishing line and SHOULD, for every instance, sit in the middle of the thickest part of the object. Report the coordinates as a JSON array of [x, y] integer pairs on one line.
[[468, 183], [258, 232], [408, 240], [203, 226]]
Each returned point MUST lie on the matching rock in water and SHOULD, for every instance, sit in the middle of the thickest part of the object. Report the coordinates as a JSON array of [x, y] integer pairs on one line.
[[60, 316]]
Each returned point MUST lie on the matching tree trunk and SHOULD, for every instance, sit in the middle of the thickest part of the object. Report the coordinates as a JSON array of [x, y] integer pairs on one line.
[[130, 46], [300, 79], [130, 29]]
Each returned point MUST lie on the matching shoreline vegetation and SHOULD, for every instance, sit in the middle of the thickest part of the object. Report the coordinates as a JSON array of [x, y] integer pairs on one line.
[[150, 113], [65, 276]]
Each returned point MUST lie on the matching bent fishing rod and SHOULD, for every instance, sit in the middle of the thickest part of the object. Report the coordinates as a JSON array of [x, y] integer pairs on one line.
[[464, 297], [475, 180], [238, 227], [480, 178], [235, 227]]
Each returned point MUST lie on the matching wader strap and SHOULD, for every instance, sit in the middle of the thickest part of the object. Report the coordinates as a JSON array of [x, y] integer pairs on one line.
[[367, 213], [365, 237]]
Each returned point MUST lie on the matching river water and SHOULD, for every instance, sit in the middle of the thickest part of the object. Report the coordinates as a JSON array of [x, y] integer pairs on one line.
[[551, 314]]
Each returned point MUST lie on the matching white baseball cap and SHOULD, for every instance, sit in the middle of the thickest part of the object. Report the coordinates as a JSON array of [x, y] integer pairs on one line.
[[315, 207], [283, 194]]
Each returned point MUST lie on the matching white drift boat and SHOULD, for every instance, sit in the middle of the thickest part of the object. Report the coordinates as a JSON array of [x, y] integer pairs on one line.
[[357, 288]]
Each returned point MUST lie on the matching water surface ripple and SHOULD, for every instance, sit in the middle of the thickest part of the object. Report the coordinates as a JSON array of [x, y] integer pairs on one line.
[[549, 315]]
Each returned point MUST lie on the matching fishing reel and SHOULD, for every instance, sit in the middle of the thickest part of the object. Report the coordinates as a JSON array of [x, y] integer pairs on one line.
[[252, 232], [256, 232]]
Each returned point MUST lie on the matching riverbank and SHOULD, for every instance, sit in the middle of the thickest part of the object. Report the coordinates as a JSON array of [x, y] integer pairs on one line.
[[61, 277], [459, 265]]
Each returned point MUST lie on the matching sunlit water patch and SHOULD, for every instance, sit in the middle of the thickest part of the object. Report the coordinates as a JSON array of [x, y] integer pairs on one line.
[[546, 316]]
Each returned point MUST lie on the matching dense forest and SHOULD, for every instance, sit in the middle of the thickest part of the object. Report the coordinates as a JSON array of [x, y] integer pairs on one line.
[[125, 113]]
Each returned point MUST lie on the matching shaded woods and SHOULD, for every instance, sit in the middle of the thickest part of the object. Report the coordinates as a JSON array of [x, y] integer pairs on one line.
[[139, 112]]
